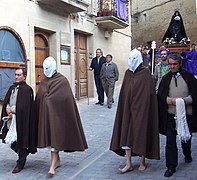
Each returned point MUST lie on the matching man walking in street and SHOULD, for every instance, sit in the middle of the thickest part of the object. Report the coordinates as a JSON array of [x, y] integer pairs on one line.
[[96, 65], [177, 95], [109, 75], [17, 125], [161, 68]]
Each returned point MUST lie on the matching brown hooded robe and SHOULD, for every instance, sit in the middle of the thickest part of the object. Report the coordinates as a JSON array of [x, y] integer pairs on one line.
[[136, 122], [59, 124]]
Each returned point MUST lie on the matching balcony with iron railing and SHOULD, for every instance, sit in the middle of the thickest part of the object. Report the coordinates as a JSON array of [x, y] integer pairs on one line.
[[112, 14]]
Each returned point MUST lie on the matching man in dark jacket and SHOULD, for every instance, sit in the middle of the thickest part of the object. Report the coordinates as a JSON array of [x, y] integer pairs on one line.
[[96, 65], [176, 85], [17, 124]]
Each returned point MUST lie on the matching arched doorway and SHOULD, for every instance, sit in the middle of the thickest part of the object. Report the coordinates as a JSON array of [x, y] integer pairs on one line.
[[41, 52], [12, 56]]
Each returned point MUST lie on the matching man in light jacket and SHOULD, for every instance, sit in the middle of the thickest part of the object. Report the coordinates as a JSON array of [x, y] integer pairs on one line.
[[109, 75]]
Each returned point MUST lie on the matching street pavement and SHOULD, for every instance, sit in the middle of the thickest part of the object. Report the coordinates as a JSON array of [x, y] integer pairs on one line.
[[97, 162]]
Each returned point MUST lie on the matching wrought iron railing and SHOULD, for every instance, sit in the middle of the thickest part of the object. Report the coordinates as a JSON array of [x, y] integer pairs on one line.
[[117, 8]]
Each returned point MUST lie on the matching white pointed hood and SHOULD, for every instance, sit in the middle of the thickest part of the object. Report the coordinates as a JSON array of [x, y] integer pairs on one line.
[[49, 66], [135, 59]]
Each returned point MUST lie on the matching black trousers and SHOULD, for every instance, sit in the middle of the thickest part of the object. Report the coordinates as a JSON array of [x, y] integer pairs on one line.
[[99, 87], [22, 154], [171, 145]]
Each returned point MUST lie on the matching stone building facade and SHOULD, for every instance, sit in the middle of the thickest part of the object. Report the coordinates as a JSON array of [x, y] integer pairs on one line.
[[151, 18], [70, 31]]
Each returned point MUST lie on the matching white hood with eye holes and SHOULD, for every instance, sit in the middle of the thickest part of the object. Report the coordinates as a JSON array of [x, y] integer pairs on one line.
[[49, 66], [135, 59]]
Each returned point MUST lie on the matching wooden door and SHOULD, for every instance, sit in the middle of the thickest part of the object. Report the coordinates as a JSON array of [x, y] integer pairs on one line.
[[81, 81], [41, 52]]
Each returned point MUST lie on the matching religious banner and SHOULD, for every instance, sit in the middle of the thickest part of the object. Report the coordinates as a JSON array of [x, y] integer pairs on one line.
[[122, 9]]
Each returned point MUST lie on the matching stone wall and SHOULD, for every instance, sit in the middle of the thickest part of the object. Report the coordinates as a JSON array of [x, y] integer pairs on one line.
[[151, 18]]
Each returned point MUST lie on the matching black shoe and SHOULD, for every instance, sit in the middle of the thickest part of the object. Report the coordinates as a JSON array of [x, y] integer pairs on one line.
[[188, 159], [97, 103], [112, 101], [101, 104], [17, 170], [169, 172], [109, 107]]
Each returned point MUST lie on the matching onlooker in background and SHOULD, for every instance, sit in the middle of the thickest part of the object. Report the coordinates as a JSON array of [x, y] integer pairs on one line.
[[163, 48], [109, 75], [136, 131], [161, 69], [190, 62], [178, 85], [59, 123], [139, 48], [192, 54], [96, 65], [157, 59], [146, 57], [18, 128]]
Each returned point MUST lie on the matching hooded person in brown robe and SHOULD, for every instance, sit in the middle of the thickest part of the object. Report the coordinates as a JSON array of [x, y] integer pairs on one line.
[[59, 124], [136, 130]]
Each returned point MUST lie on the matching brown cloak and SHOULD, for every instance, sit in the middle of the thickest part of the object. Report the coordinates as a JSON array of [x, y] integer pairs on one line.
[[25, 123], [59, 124], [136, 122]]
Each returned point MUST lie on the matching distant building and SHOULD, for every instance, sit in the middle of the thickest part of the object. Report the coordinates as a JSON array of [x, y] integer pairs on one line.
[[150, 19]]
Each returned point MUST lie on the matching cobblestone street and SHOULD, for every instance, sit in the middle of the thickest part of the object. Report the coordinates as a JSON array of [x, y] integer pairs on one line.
[[97, 162]]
